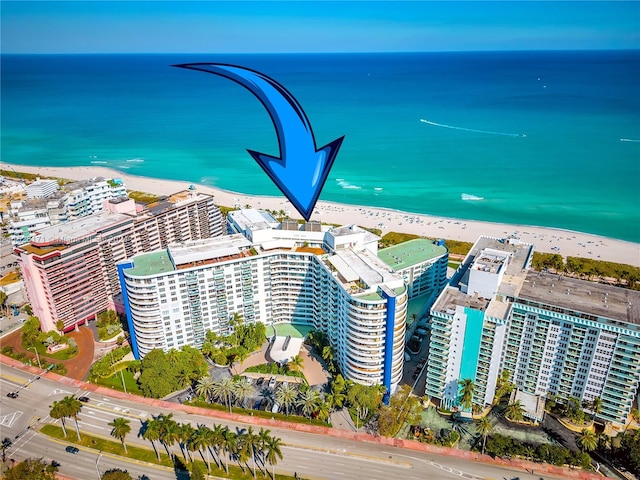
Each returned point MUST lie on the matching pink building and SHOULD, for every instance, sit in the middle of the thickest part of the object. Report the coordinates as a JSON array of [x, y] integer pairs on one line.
[[62, 269], [69, 269]]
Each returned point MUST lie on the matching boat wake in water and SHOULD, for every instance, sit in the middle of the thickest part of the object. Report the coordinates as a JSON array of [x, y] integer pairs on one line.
[[473, 198], [471, 129]]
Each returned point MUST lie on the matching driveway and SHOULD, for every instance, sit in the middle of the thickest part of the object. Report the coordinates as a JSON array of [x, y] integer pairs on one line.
[[77, 367], [312, 365]]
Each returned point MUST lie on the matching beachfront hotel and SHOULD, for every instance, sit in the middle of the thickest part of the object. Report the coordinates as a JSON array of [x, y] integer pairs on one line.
[[69, 269], [553, 334], [331, 279]]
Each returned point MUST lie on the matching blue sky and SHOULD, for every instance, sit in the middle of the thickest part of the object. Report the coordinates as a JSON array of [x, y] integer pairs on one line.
[[337, 26]]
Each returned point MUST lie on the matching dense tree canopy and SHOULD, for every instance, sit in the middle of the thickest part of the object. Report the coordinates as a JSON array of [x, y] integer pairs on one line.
[[237, 345], [31, 469], [403, 407], [31, 331], [629, 451], [163, 373], [116, 474]]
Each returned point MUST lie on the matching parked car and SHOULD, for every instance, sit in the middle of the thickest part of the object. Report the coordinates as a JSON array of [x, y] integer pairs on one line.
[[407, 357], [71, 449], [421, 331], [272, 382], [260, 381], [275, 408]]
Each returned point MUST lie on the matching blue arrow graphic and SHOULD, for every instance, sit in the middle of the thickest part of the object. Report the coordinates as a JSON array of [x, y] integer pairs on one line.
[[301, 170]]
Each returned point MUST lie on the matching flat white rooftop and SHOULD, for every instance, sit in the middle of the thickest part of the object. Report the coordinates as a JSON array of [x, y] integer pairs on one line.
[[208, 249], [78, 229]]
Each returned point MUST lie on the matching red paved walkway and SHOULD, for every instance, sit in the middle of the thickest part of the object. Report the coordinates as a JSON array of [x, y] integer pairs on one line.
[[540, 469]]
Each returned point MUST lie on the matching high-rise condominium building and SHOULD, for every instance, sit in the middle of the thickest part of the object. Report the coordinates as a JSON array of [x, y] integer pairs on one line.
[[553, 334], [331, 279], [69, 269], [47, 205]]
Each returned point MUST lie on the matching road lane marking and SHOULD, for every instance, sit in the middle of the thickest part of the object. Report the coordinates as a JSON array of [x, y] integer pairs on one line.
[[10, 418], [342, 452], [58, 391], [446, 468], [91, 425]]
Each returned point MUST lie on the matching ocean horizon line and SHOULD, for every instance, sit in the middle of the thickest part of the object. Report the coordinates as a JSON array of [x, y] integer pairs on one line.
[[394, 52]]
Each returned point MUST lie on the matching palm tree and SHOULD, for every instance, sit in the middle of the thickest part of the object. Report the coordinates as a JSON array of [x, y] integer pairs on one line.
[[528, 452], [186, 432], [200, 440], [273, 453], [515, 411], [169, 432], [587, 440], [228, 444], [596, 406], [223, 390], [467, 390], [242, 450], [251, 442], [308, 402], [72, 407], [217, 441], [121, 429], [151, 432], [286, 396], [296, 363], [327, 353], [6, 445], [235, 322], [242, 389], [263, 438], [484, 427], [634, 416], [324, 410], [57, 412], [204, 388]]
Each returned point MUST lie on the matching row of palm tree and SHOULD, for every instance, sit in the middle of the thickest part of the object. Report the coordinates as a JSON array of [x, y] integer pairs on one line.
[[228, 390], [68, 407], [310, 403], [217, 442]]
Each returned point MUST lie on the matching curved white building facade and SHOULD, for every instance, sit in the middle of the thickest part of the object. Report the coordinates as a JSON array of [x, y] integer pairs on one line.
[[172, 297]]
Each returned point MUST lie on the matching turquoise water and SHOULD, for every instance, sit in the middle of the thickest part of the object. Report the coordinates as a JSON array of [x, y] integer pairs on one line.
[[536, 135]]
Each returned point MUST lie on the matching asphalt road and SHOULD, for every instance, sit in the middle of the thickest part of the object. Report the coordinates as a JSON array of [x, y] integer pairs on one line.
[[309, 455]]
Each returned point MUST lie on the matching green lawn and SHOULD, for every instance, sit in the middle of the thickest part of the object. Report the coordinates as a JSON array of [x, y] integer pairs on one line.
[[115, 382]]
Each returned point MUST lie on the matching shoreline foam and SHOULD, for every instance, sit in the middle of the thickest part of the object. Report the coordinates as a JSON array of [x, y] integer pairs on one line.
[[545, 239]]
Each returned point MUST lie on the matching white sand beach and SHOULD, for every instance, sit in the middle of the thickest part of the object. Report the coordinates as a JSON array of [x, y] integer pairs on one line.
[[564, 242]]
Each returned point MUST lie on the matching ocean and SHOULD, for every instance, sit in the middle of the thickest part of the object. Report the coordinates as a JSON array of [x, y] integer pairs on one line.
[[530, 138]]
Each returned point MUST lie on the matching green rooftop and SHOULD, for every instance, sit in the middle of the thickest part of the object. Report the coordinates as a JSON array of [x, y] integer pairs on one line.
[[151, 264], [376, 296], [410, 253]]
